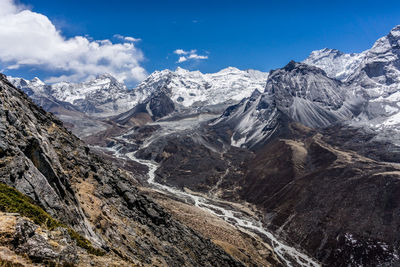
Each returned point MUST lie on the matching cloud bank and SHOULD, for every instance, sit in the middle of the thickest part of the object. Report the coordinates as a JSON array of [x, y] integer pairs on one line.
[[188, 55], [28, 38]]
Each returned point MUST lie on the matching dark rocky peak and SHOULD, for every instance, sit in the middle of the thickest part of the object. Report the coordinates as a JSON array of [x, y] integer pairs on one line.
[[106, 76], [255, 94], [154, 107], [298, 68], [290, 66], [159, 105], [307, 82]]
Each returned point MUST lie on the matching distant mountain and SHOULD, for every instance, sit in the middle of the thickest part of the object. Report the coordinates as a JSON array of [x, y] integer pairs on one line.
[[376, 72], [195, 89], [101, 97], [335, 63], [105, 96], [81, 106], [183, 92], [298, 91]]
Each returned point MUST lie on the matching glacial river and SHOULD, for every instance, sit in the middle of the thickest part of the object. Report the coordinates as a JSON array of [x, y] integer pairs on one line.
[[289, 255]]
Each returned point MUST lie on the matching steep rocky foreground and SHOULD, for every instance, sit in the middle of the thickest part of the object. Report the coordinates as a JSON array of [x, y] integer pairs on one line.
[[42, 160]]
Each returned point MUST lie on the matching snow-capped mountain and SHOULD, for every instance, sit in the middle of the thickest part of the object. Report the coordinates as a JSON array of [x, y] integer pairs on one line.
[[103, 96], [298, 91], [188, 92], [195, 89], [34, 86], [376, 72], [335, 63], [329, 86]]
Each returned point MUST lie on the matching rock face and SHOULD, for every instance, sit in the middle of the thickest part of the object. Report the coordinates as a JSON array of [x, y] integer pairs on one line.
[[157, 106], [41, 245], [44, 161]]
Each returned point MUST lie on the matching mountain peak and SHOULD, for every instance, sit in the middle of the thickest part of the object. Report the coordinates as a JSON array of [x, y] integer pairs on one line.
[[290, 66], [396, 31], [325, 52], [105, 76], [229, 69], [37, 81], [193, 89], [298, 66], [335, 63], [394, 37], [180, 70]]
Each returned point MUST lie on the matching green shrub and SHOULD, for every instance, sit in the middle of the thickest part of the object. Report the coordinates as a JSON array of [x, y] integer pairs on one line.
[[84, 243], [14, 201]]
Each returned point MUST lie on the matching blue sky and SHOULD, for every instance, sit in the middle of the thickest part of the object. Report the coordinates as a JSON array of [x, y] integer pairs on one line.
[[261, 35]]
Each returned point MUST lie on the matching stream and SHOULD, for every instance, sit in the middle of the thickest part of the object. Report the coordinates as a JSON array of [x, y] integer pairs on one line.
[[289, 255]]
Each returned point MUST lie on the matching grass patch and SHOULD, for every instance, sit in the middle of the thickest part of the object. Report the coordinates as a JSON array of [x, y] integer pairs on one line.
[[14, 201], [84, 243]]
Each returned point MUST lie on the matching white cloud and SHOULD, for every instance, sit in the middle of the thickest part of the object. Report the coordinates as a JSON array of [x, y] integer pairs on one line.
[[182, 59], [181, 52], [30, 39], [127, 38], [8, 6], [131, 39], [195, 56], [188, 55]]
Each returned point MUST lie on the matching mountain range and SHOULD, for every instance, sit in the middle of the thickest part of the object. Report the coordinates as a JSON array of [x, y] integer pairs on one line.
[[301, 162]]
